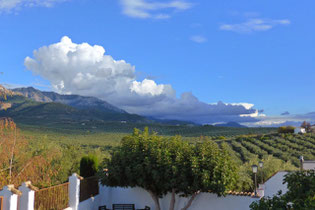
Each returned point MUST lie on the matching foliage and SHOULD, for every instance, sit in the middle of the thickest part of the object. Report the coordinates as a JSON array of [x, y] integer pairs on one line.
[[285, 149], [169, 165], [307, 126], [88, 166], [71, 145], [271, 166], [301, 186], [274, 203], [286, 129], [18, 163], [300, 195]]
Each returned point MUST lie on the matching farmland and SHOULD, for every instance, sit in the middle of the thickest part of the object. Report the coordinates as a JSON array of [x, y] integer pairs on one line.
[[286, 147], [278, 151]]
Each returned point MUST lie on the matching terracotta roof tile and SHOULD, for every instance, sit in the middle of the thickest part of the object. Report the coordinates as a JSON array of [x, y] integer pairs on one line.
[[240, 193]]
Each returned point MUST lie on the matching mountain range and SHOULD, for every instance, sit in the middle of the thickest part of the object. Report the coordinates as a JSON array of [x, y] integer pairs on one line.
[[30, 106], [80, 102]]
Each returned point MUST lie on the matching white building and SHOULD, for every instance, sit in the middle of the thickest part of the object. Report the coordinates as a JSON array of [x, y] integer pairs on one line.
[[299, 130]]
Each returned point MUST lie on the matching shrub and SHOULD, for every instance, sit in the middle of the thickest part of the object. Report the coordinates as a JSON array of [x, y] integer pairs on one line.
[[88, 166], [301, 194], [286, 129], [221, 137]]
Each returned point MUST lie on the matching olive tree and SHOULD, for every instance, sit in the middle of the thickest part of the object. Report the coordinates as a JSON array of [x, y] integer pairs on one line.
[[163, 165]]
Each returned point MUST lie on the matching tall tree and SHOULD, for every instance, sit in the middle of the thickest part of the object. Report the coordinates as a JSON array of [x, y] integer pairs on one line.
[[169, 165], [88, 165], [307, 126]]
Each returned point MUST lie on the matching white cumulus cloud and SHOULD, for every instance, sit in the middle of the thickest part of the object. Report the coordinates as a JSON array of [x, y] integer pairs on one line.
[[254, 25], [152, 9], [148, 87], [87, 70]]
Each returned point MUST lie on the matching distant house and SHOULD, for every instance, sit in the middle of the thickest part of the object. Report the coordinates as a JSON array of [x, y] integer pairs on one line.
[[299, 130]]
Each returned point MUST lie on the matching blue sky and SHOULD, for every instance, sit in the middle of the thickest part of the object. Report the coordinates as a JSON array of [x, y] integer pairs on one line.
[[258, 52]]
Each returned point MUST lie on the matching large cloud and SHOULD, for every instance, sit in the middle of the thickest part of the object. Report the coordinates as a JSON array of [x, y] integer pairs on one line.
[[86, 70]]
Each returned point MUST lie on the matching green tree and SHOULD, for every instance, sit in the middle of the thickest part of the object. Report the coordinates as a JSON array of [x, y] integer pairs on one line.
[[307, 126], [286, 129], [300, 195], [88, 166], [271, 166], [169, 165]]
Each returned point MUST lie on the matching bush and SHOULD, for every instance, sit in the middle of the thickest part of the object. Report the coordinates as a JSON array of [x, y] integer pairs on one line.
[[300, 195], [286, 129], [88, 166]]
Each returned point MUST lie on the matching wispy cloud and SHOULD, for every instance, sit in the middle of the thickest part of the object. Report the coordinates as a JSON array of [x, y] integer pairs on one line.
[[254, 25], [9, 5], [198, 39], [152, 9], [284, 119]]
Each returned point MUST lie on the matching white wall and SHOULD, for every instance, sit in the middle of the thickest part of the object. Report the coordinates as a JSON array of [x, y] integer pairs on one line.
[[274, 184], [9, 199], [309, 165], [90, 204], [204, 201]]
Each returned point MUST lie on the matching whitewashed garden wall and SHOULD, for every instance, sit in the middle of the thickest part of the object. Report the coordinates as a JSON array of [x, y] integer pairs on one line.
[[204, 201], [108, 196]]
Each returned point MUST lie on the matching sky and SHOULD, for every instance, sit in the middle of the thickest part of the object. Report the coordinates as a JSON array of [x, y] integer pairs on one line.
[[251, 62]]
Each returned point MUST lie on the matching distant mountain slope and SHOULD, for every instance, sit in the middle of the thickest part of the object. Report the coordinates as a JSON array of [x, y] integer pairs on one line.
[[81, 102], [33, 107], [30, 112], [6, 92]]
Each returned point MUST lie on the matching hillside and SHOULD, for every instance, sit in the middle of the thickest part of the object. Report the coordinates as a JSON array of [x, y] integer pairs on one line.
[[80, 102], [34, 109], [287, 147], [52, 114]]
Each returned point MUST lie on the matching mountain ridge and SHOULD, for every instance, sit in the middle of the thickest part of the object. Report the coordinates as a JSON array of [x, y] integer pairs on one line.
[[77, 101]]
